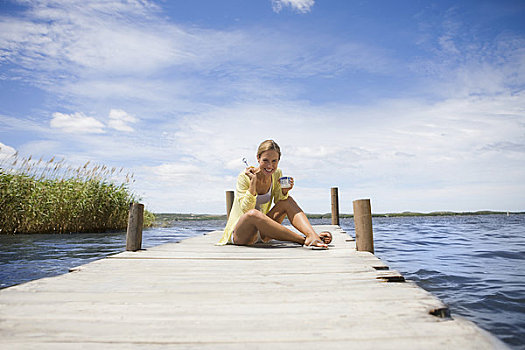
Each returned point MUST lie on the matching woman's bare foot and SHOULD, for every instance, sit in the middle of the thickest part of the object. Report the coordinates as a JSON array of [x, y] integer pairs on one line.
[[314, 241]]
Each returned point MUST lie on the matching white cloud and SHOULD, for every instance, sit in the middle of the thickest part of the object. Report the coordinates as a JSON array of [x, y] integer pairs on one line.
[[76, 123], [89, 42], [6, 151], [404, 154], [90, 36], [47, 148], [206, 98], [301, 6], [178, 173], [461, 63], [185, 186], [119, 119], [81, 124]]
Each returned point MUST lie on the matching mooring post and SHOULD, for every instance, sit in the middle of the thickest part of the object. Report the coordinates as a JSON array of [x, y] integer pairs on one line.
[[229, 202], [364, 238], [135, 222], [335, 206]]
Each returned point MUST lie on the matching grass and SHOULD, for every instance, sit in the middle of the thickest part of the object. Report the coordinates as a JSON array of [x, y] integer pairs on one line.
[[38, 196]]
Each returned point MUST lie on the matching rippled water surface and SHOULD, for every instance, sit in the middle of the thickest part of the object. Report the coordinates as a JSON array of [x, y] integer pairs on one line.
[[27, 257], [475, 264]]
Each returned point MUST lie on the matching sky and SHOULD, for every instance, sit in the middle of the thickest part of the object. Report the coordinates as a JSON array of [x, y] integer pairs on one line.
[[417, 105]]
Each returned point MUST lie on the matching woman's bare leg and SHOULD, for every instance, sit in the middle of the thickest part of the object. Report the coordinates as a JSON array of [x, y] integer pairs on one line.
[[245, 232], [296, 216]]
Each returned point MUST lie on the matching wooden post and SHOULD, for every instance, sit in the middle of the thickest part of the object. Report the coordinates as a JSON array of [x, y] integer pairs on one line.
[[229, 202], [135, 222], [335, 206], [364, 238]]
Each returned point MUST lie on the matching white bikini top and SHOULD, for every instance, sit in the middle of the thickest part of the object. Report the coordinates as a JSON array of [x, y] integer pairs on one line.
[[263, 198]]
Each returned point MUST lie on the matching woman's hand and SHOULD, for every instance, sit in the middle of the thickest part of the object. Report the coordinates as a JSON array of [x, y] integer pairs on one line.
[[286, 190], [252, 172]]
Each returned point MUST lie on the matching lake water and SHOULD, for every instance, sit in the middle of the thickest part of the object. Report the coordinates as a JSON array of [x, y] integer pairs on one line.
[[475, 264]]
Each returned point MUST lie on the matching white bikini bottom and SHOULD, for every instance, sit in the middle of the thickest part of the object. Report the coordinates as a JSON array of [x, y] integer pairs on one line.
[[259, 239]]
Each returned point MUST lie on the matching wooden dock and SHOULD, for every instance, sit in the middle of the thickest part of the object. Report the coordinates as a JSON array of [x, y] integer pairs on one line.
[[196, 295]]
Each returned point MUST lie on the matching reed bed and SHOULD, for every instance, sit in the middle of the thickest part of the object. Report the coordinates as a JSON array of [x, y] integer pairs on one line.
[[38, 196]]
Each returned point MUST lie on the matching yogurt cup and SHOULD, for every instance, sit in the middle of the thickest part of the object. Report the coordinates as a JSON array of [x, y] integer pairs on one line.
[[286, 181]]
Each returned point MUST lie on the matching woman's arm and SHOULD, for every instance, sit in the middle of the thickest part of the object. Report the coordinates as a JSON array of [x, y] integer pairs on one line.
[[246, 191]]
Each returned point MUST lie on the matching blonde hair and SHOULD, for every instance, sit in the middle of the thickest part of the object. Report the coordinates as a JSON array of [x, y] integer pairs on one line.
[[268, 145]]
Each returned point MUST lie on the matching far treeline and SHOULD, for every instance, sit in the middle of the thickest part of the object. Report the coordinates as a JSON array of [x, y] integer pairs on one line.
[[54, 197], [409, 213], [167, 217]]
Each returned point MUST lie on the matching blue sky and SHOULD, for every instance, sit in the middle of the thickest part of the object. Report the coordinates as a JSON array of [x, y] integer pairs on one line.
[[418, 105]]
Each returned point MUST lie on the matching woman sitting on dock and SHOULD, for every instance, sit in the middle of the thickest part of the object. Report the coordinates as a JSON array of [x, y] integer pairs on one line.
[[251, 219]]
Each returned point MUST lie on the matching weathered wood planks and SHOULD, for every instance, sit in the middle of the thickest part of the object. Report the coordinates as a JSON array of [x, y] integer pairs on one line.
[[195, 295]]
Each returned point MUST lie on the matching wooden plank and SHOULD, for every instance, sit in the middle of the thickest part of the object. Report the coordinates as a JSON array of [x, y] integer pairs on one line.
[[195, 294]]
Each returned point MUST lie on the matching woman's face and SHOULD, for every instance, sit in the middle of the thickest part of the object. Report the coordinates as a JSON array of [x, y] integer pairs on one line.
[[268, 162]]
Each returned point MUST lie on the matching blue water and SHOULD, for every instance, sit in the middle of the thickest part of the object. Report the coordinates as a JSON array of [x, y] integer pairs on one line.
[[475, 264]]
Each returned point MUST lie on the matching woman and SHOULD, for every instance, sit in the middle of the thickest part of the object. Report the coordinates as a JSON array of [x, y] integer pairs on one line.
[[251, 219]]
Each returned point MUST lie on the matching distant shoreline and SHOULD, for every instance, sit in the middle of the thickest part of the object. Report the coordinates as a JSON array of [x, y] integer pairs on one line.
[[160, 217]]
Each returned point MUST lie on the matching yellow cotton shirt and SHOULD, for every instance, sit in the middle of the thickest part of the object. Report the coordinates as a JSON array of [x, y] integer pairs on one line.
[[245, 201]]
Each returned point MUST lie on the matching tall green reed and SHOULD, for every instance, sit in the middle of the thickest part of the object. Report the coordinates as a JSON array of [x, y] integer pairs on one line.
[[39, 196]]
